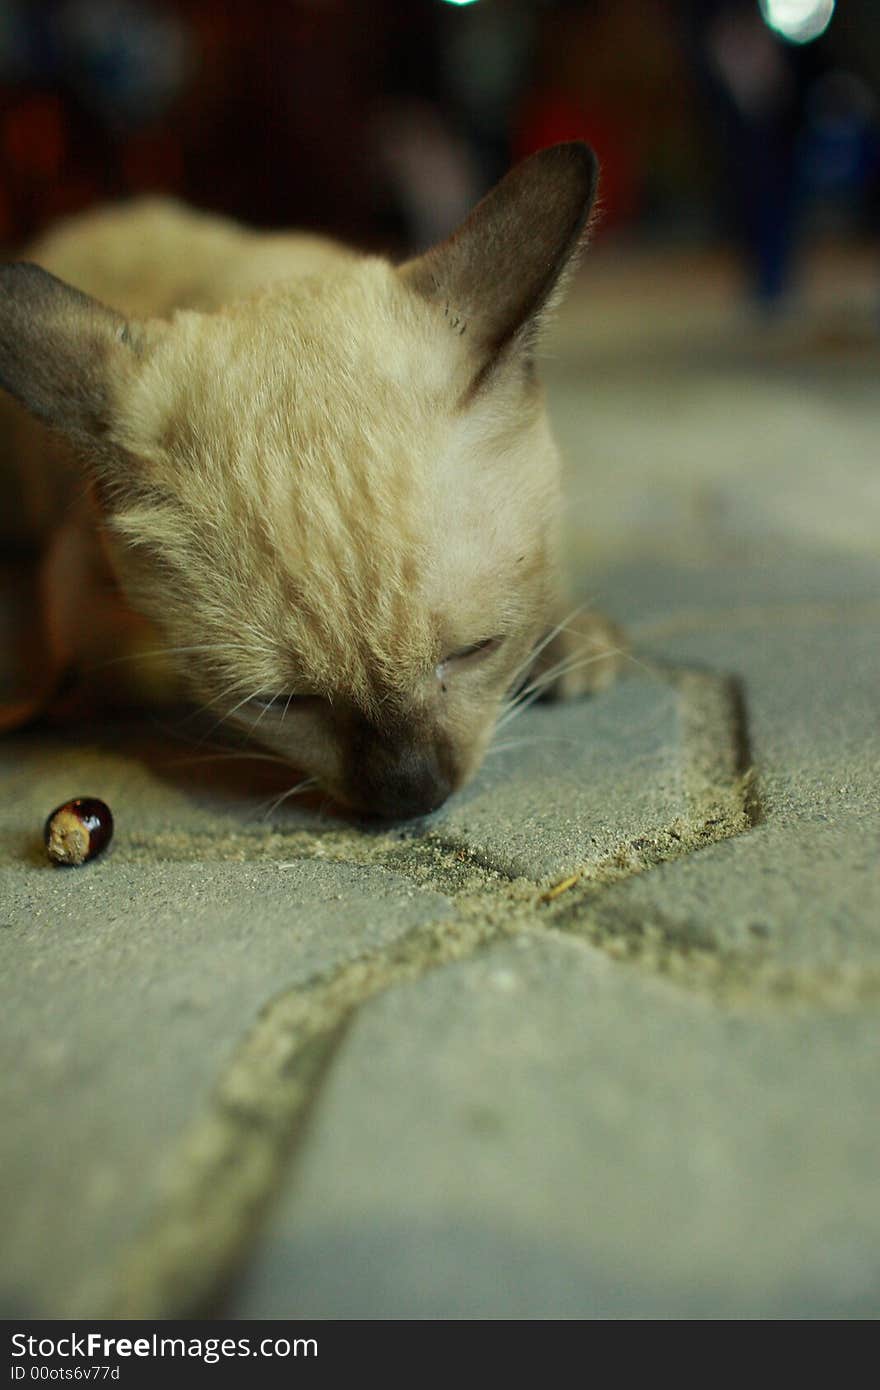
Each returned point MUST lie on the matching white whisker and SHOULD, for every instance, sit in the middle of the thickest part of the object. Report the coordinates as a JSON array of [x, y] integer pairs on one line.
[[304, 786], [535, 651], [564, 665], [214, 647], [218, 699], [508, 744], [535, 690], [235, 708], [232, 757]]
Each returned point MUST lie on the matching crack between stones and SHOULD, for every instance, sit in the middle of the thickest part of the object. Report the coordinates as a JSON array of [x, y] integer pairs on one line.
[[230, 1163]]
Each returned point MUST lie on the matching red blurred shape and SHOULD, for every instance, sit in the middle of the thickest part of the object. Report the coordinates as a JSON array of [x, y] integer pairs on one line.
[[34, 136], [551, 117]]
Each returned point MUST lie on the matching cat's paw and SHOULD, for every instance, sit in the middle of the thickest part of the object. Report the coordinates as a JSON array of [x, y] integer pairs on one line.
[[584, 655]]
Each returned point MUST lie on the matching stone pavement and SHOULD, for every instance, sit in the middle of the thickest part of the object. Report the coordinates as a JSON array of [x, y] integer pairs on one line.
[[600, 1038]]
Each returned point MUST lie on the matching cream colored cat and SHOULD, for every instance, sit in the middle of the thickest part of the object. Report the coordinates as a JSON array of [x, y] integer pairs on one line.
[[326, 486]]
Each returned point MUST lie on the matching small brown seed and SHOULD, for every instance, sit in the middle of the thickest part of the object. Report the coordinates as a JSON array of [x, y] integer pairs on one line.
[[78, 830]]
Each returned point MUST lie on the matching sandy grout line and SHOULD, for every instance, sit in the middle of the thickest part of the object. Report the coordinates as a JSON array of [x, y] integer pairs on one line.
[[226, 1170], [228, 1166], [221, 1180]]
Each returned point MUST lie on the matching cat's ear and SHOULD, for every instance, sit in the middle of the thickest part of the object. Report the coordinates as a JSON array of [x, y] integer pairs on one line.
[[494, 276], [61, 352]]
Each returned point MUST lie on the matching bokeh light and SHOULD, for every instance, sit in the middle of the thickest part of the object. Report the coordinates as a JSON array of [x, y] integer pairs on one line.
[[799, 21]]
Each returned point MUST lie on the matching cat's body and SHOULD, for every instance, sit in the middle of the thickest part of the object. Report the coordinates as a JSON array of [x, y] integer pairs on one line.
[[325, 486]]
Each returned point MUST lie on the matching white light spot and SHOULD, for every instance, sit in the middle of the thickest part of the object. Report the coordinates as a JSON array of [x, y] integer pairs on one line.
[[799, 21]]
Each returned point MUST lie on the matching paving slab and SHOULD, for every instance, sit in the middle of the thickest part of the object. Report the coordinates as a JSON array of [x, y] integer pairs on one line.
[[716, 1187], [676, 473], [544, 1132], [583, 786], [133, 985], [138, 977], [802, 890], [799, 909]]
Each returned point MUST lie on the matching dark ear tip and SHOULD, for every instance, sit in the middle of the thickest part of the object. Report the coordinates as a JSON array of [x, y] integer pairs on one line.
[[14, 273], [573, 157], [31, 285]]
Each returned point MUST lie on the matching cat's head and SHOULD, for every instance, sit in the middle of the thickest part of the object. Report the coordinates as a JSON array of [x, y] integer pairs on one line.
[[338, 498]]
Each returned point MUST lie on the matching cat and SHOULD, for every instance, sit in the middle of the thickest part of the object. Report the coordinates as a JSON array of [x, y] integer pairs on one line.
[[323, 485]]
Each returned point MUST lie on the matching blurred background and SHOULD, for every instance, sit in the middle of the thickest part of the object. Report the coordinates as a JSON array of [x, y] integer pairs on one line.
[[751, 124], [712, 374]]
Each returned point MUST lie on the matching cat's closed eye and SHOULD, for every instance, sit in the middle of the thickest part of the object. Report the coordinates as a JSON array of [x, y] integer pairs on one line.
[[470, 655], [285, 701]]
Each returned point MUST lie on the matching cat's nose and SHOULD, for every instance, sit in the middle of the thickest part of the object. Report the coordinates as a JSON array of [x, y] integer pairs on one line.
[[404, 782]]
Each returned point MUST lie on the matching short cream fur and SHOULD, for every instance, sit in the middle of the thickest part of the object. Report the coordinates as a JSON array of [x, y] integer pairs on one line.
[[326, 487]]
